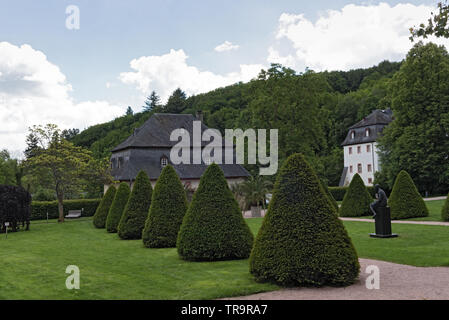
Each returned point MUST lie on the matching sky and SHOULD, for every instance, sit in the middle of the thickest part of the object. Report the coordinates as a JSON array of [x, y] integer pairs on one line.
[[56, 70]]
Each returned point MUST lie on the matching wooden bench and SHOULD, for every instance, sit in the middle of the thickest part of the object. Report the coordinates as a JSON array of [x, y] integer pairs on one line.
[[73, 214]]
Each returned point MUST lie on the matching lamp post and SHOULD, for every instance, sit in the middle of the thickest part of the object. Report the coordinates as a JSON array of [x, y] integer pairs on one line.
[[6, 229]]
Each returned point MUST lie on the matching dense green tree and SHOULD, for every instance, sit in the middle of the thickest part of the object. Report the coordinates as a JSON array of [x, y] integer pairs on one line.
[[356, 200], [405, 200], [118, 206], [168, 207], [301, 240], [135, 213], [176, 102], [102, 211], [153, 102], [213, 227], [445, 210], [129, 111], [417, 139]]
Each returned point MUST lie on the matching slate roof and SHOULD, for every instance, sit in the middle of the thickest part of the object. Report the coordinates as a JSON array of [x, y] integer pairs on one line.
[[144, 150], [376, 121]]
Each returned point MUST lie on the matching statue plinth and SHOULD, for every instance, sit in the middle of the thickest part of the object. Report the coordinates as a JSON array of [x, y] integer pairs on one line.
[[383, 224]]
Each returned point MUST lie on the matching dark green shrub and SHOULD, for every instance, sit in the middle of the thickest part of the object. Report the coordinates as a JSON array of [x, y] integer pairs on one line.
[[339, 192], [445, 210], [168, 207], [302, 241], [329, 195], [102, 211], [213, 227], [117, 207], [39, 209], [136, 210], [405, 200], [356, 200]]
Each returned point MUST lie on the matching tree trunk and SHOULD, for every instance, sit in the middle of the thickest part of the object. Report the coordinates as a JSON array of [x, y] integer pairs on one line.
[[60, 197]]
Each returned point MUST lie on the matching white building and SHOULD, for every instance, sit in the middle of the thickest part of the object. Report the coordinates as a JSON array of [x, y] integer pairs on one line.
[[360, 147]]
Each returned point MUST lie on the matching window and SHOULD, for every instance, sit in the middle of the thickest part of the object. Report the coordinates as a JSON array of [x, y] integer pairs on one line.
[[359, 168], [359, 149], [368, 148], [350, 169], [370, 180], [367, 132], [164, 162], [350, 150], [120, 162], [352, 134], [370, 168]]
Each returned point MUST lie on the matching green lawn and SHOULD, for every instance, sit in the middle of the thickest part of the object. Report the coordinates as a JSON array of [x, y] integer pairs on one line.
[[33, 263]]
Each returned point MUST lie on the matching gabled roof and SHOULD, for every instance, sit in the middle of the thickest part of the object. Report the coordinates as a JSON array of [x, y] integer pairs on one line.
[[376, 117], [375, 122], [155, 132]]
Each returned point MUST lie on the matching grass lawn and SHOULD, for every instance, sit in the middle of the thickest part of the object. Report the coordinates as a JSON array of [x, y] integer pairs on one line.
[[33, 263]]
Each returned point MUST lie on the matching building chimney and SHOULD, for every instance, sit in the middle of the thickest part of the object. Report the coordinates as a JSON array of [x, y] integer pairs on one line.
[[199, 115]]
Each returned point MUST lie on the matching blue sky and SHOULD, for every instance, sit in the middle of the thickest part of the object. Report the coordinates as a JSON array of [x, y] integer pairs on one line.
[[95, 60]]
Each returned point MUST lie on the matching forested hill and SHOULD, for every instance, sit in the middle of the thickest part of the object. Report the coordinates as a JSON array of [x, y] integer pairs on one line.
[[311, 110]]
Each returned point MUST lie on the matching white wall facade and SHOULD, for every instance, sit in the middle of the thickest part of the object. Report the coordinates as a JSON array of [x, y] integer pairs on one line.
[[363, 160]]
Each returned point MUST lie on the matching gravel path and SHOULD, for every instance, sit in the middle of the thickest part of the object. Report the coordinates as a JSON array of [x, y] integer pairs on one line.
[[397, 282], [430, 223]]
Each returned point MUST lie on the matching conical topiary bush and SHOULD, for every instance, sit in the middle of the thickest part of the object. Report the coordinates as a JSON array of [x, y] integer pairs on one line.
[[117, 207], [135, 214], [168, 207], [213, 227], [445, 210], [302, 241], [356, 200], [329, 195], [103, 208], [405, 200]]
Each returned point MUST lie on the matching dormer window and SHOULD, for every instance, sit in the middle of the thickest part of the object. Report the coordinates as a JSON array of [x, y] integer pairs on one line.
[[352, 134], [367, 132], [164, 162]]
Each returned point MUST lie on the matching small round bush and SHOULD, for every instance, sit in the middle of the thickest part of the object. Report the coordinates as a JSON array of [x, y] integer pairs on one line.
[[117, 207], [405, 200], [213, 227], [302, 242], [168, 207], [136, 210], [102, 211], [356, 200], [445, 210]]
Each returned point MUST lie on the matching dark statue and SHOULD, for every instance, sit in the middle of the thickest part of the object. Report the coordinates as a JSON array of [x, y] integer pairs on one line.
[[381, 201], [381, 215]]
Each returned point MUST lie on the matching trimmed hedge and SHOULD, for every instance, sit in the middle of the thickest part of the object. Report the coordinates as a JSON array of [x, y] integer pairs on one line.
[[213, 227], [405, 200], [445, 210], [302, 241], [39, 209], [102, 211], [339, 192], [118, 206], [168, 207], [329, 195], [136, 210], [357, 199]]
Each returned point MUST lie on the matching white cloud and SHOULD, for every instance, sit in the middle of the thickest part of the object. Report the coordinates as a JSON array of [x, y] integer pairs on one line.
[[34, 91], [169, 71], [226, 46], [353, 37]]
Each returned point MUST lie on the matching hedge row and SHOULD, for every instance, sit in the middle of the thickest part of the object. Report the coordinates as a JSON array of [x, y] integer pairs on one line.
[[339, 192], [39, 209]]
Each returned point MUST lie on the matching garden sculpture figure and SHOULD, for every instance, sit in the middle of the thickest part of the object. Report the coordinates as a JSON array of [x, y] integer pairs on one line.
[[381, 201]]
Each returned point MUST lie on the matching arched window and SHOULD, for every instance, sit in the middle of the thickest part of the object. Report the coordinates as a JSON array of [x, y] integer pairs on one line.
[[164, 162], [367, 132]]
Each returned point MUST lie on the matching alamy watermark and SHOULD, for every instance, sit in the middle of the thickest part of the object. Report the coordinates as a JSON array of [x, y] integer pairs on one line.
[[73, 280], [373, 280], [213, 151], [72, 22]]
